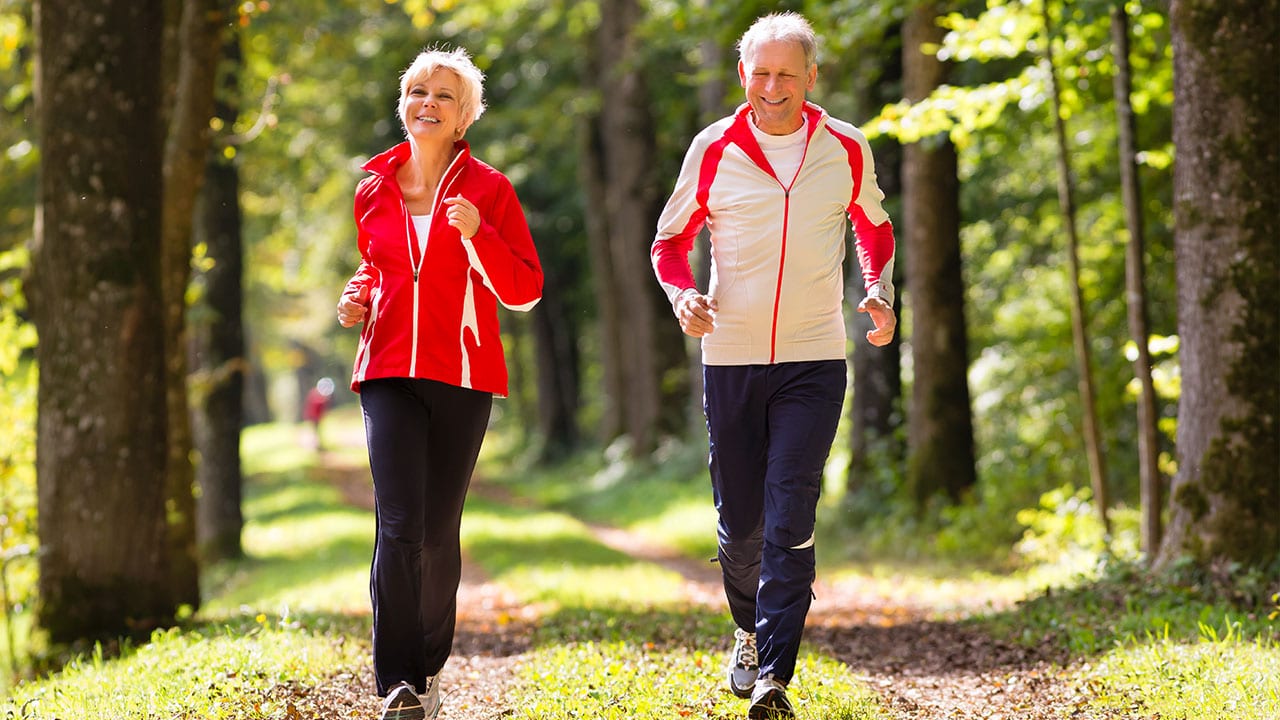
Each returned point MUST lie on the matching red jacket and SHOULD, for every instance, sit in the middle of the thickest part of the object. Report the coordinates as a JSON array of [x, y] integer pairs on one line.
[[435, 316]]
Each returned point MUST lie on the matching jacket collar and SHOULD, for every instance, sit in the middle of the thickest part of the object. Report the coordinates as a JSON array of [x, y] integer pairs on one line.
[[387, 162], [740, 131]]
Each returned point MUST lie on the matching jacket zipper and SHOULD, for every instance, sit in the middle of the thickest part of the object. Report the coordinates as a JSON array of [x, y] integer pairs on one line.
[[782, 256], [417, 268], [782, 263]]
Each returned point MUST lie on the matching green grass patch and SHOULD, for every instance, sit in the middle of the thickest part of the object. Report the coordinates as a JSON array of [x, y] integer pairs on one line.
[[305, 550], [1223, 678], [667, 499], [295, 610], [632, 681], [210, 674], [551, 557]]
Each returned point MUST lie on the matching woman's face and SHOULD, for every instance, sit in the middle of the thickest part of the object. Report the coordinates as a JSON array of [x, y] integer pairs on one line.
[[430, 108]]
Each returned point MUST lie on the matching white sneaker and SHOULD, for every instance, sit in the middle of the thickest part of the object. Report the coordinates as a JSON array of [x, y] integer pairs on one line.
[[769, 701], [431, 702], [402, 703], [744, 664]]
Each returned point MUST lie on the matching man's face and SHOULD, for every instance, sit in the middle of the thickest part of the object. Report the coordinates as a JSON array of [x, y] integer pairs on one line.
[[776, 80]]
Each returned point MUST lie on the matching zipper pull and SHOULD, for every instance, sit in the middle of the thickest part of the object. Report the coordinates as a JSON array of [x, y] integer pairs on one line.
[[415, 276]]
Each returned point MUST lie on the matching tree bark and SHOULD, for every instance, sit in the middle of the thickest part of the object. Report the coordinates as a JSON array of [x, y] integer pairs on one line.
[[1150, 479], [1226, 209], [217, 339], [97, 302], [939, 424], [1079, 318], [186, 148]]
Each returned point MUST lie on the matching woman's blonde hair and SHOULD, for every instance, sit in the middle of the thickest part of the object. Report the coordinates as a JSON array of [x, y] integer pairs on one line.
[[470, 95]]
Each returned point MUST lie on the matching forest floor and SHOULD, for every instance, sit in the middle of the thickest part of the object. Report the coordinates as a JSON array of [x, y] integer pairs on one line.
[[923, 667]]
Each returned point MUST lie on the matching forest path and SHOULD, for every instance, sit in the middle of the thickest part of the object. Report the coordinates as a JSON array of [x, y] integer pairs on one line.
[[925, 668]]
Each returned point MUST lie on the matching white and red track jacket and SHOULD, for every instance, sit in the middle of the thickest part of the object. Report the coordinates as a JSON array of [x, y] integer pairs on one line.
[[434, 315], [777, 244]]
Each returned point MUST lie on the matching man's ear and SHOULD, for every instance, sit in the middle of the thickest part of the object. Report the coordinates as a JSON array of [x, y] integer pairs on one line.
[[813, 77], [742, 73]]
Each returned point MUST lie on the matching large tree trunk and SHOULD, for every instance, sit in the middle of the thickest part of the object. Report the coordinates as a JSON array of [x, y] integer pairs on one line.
[[95, 290], [1079, 317], [218, 338], [650, 350], [186, 147], [1149, 475], [939, 424], [1227, 219]]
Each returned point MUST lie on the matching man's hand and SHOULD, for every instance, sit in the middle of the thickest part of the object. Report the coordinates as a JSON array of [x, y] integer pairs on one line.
[[696, 313], [882, 315], [352, 308]]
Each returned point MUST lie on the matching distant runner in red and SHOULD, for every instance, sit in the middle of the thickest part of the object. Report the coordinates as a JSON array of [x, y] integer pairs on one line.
[[777, 184], [443, 240], [314, 407]]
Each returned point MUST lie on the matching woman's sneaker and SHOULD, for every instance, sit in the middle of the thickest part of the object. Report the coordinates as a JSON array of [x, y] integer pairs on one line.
[[769, 701], [402, 703], [431, 702], [744, 663]]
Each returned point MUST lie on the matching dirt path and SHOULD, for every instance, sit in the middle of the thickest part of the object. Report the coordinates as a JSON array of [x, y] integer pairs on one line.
[[924, 668]]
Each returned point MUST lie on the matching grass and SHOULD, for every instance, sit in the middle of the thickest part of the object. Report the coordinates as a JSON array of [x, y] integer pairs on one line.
[[615, 638]]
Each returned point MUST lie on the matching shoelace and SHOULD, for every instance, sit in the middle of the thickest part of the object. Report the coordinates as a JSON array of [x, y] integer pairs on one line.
[[747, 656]]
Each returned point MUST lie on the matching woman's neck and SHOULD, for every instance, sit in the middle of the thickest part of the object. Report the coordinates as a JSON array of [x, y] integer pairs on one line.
[[421, 174]]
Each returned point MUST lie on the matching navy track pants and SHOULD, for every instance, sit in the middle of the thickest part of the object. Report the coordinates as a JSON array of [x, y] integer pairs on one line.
[[771, 429], [423, 437]]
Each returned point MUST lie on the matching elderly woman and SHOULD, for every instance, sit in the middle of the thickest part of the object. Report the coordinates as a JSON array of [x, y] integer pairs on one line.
[[442, 241]]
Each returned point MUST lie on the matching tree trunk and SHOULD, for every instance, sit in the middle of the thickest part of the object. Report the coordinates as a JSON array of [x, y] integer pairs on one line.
[[608, 305], [650, 348], [1150, 478], [96, 298], [555, 335], [218, 337], [1227, 218], [186, 148], [940, 424], [1079, 319], [875, 408]]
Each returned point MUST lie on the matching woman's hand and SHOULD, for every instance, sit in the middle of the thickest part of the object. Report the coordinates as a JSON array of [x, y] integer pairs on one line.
[[463, 215], [353, 308]]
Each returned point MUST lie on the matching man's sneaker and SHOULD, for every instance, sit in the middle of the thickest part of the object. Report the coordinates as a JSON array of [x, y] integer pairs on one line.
[[744, 664], [402, 703], [769, 701], [431, 701]]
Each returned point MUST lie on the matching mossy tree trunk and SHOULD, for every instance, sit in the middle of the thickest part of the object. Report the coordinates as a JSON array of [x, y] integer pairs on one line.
[[96, 299], [1226, 491]]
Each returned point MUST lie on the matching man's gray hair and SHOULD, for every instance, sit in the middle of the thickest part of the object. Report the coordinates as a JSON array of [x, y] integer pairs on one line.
[[784, 26]]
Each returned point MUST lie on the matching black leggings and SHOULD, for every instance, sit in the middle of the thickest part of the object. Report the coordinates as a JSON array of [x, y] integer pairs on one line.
[[424, 437]]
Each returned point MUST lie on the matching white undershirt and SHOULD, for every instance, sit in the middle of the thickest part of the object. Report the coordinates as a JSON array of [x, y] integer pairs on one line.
[[422, 226], [784, 152]]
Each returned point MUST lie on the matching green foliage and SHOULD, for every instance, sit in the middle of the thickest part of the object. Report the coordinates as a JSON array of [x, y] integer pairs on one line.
[[18, 541]]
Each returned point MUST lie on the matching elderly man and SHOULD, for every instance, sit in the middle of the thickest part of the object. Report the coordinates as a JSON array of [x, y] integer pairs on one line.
[[775, 184]]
